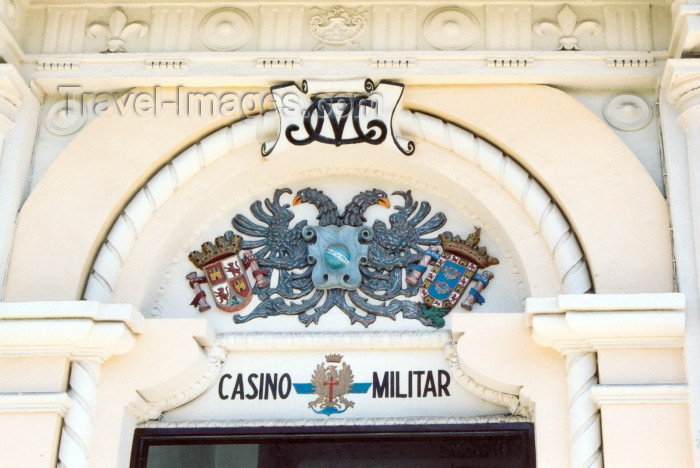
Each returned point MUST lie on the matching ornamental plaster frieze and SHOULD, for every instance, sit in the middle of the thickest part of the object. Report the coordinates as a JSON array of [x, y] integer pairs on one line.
[[510, 401], [191, 28], [505, 418], [228, 345]]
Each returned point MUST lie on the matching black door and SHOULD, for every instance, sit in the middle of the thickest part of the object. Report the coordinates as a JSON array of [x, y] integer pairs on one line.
[[434, 446]]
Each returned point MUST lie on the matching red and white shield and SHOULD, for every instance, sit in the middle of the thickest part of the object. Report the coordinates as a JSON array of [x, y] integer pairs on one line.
[[229, 284]]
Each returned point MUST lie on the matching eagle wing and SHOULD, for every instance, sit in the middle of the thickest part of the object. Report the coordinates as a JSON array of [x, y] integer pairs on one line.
[[346, 380], [317, 380]]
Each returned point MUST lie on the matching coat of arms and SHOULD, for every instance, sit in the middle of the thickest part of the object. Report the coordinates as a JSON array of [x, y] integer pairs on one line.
[[331, 385], [223, 272], [454, 270], [365, 271]]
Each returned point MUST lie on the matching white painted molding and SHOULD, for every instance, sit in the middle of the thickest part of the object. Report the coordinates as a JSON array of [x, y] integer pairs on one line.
[[647, 394], [75, 329], [87, 333], [504, 418], [512, 402], [578, 325], [302, 26], [57, 402], [362, 340], [555, 229], [686, 30], [144, 410], [598, 321], [553, 226]]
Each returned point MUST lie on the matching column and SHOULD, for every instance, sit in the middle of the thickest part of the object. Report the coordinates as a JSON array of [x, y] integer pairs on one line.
[[680, 120], [19, 120], [50, 358], [614, 343]]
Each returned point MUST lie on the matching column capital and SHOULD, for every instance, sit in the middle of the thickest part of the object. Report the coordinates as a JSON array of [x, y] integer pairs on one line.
[[13, 89], [685, 37], [589, 322]]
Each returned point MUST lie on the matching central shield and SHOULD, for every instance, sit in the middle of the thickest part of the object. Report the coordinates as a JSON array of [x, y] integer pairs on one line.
[[337, 254], [447, 281]]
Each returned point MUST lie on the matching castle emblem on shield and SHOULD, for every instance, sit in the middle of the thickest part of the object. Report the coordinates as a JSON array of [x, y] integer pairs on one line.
[[331, 385], [224, 272]]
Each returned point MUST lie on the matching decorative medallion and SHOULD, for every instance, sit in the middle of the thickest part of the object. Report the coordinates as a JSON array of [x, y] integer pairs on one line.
[[226, 29], [337, 117], [451, 29], [366, 272], [66, 117], [338, 25], [223, 272], [627, 112]]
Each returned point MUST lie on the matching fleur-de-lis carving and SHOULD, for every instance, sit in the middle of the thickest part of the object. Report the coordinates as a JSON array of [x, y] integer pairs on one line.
[[568, 29], [117, 32]]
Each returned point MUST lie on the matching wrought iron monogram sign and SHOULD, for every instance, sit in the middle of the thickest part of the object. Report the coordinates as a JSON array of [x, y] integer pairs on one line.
[[359, 114], [365, 271]]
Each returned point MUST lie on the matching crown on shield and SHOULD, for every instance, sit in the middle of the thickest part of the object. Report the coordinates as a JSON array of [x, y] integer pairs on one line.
[[336, 358], [468, 248], [223, 246]]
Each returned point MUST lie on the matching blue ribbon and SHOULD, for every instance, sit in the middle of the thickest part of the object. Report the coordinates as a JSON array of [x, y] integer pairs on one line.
[[434, 255], [481, 278], [475, 294]]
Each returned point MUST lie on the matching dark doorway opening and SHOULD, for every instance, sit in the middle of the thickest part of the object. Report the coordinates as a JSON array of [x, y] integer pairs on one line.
[[407, 446]]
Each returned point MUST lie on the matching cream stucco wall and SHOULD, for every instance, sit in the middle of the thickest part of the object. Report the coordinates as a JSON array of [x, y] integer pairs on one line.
[[594, 168]]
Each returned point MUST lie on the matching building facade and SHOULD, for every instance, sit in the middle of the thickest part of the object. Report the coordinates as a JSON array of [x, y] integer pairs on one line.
[[274, 221]]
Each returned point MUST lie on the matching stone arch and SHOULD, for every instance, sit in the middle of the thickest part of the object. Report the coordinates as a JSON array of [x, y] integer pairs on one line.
[[562, 243], [645, 221]]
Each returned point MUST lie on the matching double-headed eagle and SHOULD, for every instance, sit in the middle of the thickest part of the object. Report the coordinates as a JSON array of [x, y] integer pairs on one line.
[[282, 249]]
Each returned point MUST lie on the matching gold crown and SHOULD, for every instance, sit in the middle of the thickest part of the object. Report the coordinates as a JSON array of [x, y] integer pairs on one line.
[[468, 248], [223, 246], [333, 358]]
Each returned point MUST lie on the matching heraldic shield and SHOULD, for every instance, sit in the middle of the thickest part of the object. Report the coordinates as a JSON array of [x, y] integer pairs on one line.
[[331, 385], [454, 270], [224, 272]]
